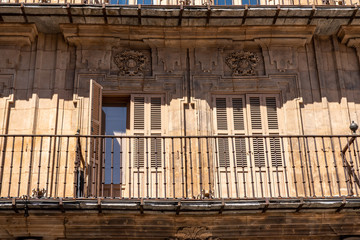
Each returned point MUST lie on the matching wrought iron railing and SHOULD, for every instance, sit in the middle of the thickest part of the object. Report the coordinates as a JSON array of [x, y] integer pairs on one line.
[[178, 167]]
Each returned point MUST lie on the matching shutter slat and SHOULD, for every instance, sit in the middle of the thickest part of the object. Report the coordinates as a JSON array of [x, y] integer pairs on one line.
[[238, 113], [272, 113], [139, 145], [223, 147], [275, 148], [155, 113], [255, 113], [139, 105], [221, 116], [240, 151], [156, 152], [259, 152]]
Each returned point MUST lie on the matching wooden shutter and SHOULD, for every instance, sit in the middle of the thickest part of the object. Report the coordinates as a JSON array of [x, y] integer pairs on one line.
[[147, 117], [95, 150], [273, 128], [239, 129], [255, 113], [221, 114], [222, 130]]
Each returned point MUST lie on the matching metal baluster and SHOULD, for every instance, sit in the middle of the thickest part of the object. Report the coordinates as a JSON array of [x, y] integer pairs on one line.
[[335, 165], [93, 175], [191, 169], [243, 166], [217, 167], [226, 165], [277, 168], [87, 168], [285, 167], [235, 166], [357, 158], [164, 156], [11, 164], [268, 168], [112, 169], [147, 168], [48, 164], [293, 166], [260, 163], [21, 160], [30, 165], [251, 168], [130, 177], [39, 166], [156, 170], [352, 167], [347, 178], [318, 167], [57, 166], [121, 164], [173, 166], [182, 168], [326, 165], [208, 165], [103, 161], [310, 167], [138, 165], [302, 166], [66, 164]]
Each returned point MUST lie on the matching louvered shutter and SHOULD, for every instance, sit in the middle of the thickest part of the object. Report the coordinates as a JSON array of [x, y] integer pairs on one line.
[[239, 129], [139, 113], [255, 113], [95, 117], [273, 126], [155, 128], [221, 114]]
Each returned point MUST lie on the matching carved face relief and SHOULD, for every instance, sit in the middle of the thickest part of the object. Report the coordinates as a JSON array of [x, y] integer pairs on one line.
[[242, 63], [130, 62]]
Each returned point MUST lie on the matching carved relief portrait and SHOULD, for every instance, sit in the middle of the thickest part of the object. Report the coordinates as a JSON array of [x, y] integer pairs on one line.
[[131, 62], [242, 63]]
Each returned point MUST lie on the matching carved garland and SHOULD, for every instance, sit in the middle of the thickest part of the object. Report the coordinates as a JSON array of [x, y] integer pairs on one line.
[[193, 233], [130, 62], [242, 63]]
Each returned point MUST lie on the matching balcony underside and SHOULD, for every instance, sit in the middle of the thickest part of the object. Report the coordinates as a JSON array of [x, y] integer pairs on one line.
[[220, 206], [47, 17]]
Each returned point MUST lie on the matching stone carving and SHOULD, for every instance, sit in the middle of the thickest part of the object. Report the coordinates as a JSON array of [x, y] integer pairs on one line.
[[170, 58], [242, 63], [283, 58], [206, 58], [193, 233], [130, 62]]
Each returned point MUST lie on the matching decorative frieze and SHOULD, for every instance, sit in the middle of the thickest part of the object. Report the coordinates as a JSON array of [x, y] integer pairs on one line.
[[242, 63], [189, 233], [130, 62]]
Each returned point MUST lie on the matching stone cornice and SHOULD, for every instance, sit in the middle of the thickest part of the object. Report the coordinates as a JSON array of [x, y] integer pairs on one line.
[[17, 34], [162, 36], [350, 35]]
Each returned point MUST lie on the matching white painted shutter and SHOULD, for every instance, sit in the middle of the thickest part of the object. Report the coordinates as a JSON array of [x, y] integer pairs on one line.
[[273, 126]]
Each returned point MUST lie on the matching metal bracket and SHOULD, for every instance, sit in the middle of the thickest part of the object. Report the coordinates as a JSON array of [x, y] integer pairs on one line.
[[141, 206], [178, 207], [13, 204], [61, 205], [300, 205], [267, 203], [222, 206], [99, 204], [343, 203]]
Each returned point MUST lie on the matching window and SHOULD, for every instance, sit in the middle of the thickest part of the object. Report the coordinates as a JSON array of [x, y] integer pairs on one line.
[[145, 2], [250, 2], [120, 2], [223, 2], [247, 157]]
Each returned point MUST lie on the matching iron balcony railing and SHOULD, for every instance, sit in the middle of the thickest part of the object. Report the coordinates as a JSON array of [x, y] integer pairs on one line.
[[179, 167]]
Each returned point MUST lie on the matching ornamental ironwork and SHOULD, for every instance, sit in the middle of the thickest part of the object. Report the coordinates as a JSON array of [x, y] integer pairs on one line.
[[130, 62], [193, 233], [242, 63]]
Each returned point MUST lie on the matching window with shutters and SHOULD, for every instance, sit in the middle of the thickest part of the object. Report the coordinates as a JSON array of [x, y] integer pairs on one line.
[[246, 155], [146, 120]]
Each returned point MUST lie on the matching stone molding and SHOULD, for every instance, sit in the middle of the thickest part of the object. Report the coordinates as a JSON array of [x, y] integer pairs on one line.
[[17, 34], [281, 52], [242, 63]]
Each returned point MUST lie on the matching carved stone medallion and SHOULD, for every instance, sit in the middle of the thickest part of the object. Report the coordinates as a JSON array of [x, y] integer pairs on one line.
[[193, 233], [130, 62], [242, 63]]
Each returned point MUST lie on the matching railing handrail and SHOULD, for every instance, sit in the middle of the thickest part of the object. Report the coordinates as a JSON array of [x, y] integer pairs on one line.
[[181, 136]]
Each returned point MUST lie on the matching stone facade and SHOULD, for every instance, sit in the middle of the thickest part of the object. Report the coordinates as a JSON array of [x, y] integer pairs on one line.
[[311, 70]]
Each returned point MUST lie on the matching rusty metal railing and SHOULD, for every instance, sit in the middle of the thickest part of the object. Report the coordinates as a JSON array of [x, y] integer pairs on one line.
[[178, 167]]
